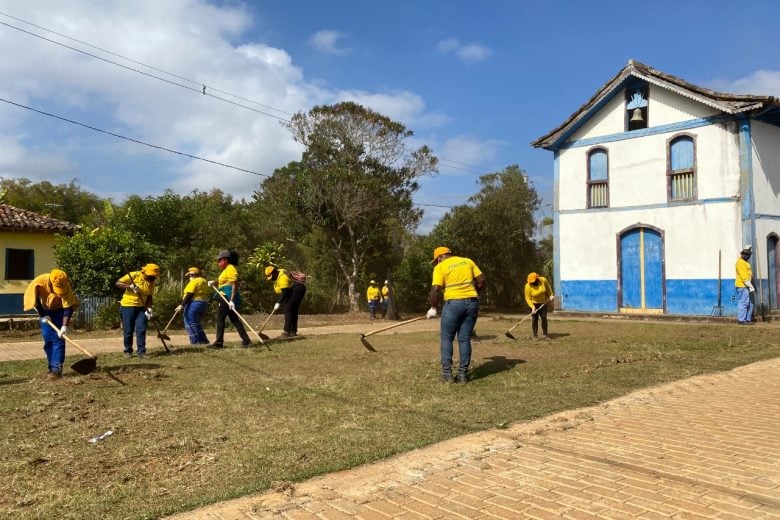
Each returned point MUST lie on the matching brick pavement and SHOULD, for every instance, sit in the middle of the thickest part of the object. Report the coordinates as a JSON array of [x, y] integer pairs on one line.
[[704, 447]]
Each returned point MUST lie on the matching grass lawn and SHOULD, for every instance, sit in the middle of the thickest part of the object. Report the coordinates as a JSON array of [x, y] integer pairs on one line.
[[192, 428]]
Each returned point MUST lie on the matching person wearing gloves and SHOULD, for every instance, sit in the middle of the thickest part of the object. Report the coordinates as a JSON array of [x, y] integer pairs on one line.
[[744, 285], [195, 300], [538, 294], [385, 298], [227, 284], [135, 308], [374, 297], [460, 281], [52, 297], [290, 294]]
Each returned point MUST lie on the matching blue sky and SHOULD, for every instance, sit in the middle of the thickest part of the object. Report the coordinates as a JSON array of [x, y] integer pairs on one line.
[[476, 81]]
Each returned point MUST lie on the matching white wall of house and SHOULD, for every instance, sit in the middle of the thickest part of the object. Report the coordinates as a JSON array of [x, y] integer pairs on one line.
[[766, 167]]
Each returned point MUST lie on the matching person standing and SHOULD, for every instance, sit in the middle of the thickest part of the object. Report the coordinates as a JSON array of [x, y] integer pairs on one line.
[[135, 308], [385, 298], [460, 281], [374, 297], [52, 297], [744, 285], [227, 284], [538, 294], [195, 301], [290, 294]]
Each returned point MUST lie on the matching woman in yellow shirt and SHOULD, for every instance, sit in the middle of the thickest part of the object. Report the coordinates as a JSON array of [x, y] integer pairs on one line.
[[227, 284], [136, 306], [538, 294]]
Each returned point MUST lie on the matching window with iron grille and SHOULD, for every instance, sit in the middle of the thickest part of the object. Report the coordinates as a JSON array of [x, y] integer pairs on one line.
[[681, 168], [598, 178]]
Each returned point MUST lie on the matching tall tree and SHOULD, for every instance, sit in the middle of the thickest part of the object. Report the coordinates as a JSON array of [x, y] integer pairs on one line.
[[354, 184], [61, 201], [496, 229]]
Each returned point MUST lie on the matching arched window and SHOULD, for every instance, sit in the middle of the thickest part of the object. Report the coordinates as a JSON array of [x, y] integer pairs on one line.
[[598, 178], [681, 169]]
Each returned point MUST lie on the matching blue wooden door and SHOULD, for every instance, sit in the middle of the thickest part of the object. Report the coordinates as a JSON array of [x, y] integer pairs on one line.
[[641, 270]]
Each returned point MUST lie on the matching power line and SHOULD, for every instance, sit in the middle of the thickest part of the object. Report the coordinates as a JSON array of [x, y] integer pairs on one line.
[[199, 83], [138, 141], [202, 87]]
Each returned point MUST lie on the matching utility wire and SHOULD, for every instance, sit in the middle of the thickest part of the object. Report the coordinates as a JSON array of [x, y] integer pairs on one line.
[[202, 87], [133, 140], [146, 73], [199, 83]]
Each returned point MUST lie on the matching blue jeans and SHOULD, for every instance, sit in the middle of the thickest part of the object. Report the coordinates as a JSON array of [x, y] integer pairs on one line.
[[53, 345], [458, 317], [193, 312], [134, 320], [372, 306], [744, 305]]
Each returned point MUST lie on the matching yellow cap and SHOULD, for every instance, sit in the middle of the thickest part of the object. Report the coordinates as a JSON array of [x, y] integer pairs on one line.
[[59, 282], [193, 271], [532, 277], [441, 250], [151, 270], [269, 270]]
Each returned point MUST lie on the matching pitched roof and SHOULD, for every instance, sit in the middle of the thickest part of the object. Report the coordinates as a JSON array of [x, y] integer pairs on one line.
[[724, 102], [15, 219]]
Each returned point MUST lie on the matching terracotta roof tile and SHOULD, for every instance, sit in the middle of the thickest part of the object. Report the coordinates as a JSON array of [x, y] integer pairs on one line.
[[15, 219]]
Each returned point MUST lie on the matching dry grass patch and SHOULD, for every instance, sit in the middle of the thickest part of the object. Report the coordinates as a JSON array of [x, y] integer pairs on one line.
[[192, 428]]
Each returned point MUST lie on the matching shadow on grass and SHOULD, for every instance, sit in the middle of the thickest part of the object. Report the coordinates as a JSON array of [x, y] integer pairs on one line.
[[494, 365], [14, 381]]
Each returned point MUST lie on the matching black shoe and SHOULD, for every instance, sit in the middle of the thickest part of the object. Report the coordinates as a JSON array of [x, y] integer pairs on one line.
[[462, 379], [446, 378], [214, 345], [246, 344]]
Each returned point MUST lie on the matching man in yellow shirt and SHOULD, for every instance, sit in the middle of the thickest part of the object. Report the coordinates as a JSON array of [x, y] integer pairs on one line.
[[195, 301], [374, 297], [52, 297], [538, 294], [744, 285], [460, 281], [136, 306], [291, 293], [385, 298]]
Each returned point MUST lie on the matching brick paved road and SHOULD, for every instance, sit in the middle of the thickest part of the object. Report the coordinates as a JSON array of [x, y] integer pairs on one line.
[[705, 447]]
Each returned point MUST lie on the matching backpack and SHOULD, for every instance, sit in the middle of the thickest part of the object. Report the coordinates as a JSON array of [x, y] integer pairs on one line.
[[297, 276]]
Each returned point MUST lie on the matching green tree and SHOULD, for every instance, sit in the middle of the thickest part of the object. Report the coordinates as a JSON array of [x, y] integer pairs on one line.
[[496, 230], [354, 184], [61, 201]]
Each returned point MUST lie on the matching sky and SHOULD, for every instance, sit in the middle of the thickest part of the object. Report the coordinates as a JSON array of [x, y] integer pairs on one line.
[[475, 81]]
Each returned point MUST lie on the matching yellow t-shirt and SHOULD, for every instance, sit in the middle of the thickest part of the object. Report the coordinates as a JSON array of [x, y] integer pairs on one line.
[[283, 281], [145, 289], [456, 274], [385, 292], [538, 293], [744, 272], [47, 295], [199, 288], [229, 274], [372, 293]]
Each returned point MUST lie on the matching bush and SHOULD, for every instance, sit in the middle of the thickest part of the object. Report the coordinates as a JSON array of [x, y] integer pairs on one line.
[[107, 316]]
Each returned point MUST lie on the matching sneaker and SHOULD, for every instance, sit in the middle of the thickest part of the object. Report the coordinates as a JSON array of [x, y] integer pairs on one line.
[[446, 378], [128, 355], [546, 338], [462, 378], [53, 376], [141, 355]]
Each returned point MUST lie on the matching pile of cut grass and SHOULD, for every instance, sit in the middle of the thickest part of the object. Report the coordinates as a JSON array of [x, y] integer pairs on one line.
[[193, 428]]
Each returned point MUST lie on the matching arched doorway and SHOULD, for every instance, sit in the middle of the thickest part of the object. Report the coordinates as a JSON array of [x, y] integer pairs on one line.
[[641, 273], [773, 255]]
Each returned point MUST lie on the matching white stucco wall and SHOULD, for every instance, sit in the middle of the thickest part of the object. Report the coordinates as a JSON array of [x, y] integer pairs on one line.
[[766, 168]]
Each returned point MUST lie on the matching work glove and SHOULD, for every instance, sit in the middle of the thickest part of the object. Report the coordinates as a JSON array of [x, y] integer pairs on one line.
[[552, 298], [45, 319], [276, 306], [431, 313], [134, 288], [63, 331], [749, 285], [149, 314], [178, 308], [211, 283], [232, 305]]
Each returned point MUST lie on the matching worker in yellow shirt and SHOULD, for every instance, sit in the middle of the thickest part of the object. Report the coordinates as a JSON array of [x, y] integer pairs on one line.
[[385, 298], [136, 306], [194, 302], [460, 281], [52, 297], [290, 293], [538, 294], [227, 284], [744, 285], [374, 297]]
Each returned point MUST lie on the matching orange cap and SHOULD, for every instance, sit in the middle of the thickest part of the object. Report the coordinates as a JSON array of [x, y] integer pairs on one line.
[[532, 277]]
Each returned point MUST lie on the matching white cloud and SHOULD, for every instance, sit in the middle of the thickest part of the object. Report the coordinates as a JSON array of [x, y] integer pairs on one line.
[[471, 52], [462, 155], [327, 42], [760, 83], [403, 106]]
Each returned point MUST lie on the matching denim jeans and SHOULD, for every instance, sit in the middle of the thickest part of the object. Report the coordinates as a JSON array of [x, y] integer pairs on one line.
[[458, 317], [193, 312], [53, 345], [744, 305], [134, 320]]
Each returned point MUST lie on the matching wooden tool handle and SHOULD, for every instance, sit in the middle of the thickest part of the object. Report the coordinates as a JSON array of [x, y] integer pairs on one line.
[[392, 326], [82, 349]]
